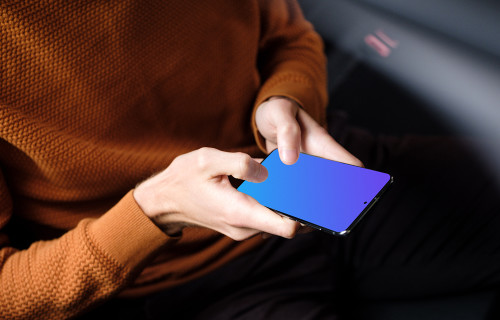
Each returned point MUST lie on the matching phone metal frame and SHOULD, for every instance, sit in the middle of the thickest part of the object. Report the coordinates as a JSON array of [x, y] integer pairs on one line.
[[352, 225], [345, 232]]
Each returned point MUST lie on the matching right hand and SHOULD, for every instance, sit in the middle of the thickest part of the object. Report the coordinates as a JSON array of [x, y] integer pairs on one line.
[[195, 190]]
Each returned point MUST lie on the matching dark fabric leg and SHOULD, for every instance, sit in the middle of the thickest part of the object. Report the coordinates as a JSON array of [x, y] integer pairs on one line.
[[286, 279], [436, 231]]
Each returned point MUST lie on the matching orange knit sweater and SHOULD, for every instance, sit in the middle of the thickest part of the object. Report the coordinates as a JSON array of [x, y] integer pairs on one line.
[[96, 96]]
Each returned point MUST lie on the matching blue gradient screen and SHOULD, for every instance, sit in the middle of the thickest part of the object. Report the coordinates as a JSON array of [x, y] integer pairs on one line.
[[324, 193]]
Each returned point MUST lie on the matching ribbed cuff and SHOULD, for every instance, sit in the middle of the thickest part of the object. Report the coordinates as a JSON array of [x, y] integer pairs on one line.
[[126, 233]]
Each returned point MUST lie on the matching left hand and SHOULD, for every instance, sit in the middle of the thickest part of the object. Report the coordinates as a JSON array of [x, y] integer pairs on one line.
[[286, 126]]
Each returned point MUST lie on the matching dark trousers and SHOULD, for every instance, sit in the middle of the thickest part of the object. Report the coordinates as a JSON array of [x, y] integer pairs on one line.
[[435, 232]]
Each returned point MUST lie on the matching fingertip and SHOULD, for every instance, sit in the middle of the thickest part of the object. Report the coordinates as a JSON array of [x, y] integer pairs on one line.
[[289, 156], [291, 228]]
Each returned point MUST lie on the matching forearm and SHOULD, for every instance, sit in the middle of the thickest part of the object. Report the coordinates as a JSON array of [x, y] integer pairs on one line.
[[292, 62]]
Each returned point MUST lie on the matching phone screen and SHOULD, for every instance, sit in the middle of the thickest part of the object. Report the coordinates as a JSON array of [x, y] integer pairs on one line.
[[324, 194]]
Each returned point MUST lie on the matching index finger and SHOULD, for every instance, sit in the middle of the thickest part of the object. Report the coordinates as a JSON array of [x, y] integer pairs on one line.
[[260, 218]]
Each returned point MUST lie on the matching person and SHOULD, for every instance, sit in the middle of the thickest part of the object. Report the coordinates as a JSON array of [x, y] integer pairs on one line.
[[95, 98], [120, 124]]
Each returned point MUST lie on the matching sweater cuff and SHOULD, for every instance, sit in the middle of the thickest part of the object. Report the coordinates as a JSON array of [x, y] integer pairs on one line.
[[309, 98], [126, 234]]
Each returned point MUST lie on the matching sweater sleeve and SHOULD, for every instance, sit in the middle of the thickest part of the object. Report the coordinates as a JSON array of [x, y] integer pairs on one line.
[[291, 60], [60, 278]]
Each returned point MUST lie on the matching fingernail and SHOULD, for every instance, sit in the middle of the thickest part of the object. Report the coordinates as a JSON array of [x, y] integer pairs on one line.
[[290, 156]]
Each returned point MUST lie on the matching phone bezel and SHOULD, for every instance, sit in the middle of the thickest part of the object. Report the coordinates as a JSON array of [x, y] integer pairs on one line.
[[360, 216]]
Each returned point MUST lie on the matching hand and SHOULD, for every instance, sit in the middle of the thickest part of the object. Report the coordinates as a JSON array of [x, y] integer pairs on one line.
[[195, 190], [286, 126]]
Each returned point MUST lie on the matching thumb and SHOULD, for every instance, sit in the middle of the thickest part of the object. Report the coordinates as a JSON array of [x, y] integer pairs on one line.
[[288, 131]]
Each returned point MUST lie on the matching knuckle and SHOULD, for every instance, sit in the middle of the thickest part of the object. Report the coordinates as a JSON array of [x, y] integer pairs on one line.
[[289, 129], [181, 158], [245, 165], [202, 162], [237, 233], [176, 162], [206, 151], [239, 236], [203, 158]]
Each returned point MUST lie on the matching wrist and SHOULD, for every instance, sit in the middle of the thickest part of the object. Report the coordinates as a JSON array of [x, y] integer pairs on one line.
[[143, 199]]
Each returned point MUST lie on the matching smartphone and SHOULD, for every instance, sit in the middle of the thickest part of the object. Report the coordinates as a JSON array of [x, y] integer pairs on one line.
[[327, 195]]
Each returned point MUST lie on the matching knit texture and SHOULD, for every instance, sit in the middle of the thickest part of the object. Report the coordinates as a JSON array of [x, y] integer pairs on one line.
[[95, 96]]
